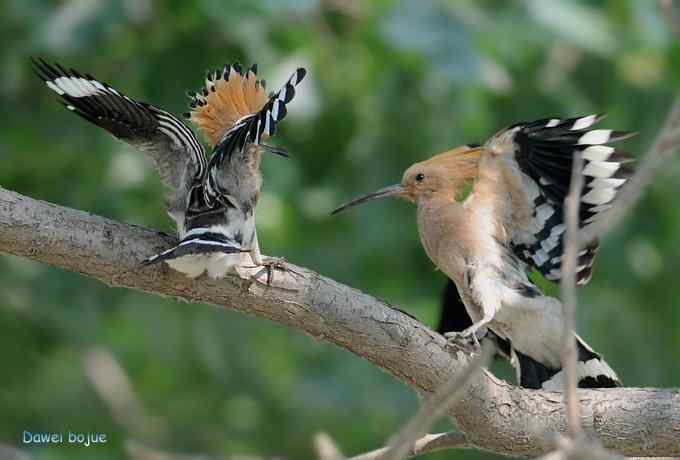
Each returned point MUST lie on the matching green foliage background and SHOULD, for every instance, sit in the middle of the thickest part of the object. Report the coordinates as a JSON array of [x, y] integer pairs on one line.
[[390, 83]]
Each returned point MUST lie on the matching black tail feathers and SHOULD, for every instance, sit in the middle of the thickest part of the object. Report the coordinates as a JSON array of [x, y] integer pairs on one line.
[[591, 371]]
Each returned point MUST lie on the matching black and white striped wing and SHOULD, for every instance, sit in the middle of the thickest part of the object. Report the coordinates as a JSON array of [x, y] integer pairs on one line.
[[176, 152], [253, 129], [544, 154]]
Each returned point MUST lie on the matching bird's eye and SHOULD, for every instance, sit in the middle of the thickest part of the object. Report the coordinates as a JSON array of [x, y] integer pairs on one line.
[[420, 177]]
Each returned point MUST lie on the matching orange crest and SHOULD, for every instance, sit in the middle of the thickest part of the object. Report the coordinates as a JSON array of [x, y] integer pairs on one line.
[[228, 96]]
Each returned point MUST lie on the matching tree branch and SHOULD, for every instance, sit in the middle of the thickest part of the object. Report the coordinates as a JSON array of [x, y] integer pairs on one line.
[[493, 414]]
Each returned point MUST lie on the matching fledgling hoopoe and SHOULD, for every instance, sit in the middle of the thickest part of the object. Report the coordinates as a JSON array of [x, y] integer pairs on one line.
[[211, 201], [488, 215]]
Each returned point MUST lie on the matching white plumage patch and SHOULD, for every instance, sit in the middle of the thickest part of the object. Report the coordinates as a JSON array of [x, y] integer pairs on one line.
[[553, 240], [55, 88], [595, 137], [540, 257], [606, 183], [77, 86], [592, 368], [597, 153], [584, 122], [192, 265], [599, 196], [543, 213], [602, 169], [217, 266]]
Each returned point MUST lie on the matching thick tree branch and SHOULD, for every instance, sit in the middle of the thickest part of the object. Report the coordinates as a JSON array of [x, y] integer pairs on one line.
[[493, 414]]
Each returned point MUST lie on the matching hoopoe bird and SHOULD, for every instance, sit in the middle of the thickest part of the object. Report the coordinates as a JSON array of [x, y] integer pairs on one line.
[[487, 215], [212, 200]]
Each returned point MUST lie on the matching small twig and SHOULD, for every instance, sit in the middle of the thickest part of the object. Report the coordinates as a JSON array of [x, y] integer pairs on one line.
[[428, 443], [436, 406], [666, 142], [326, 448], [568, 290]]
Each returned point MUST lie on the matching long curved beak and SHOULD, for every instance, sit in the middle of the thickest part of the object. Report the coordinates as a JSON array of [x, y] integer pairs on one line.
[[275, 149], [392, 190]]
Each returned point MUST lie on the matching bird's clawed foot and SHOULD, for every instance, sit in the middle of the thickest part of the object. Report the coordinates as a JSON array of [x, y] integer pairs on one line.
[[269, 265], [466, 341]]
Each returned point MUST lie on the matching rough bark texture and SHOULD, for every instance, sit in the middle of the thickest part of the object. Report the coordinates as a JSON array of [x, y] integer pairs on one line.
[[494, 415]]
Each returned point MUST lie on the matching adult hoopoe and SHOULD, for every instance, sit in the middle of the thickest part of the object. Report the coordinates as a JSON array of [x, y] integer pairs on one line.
[[488, 215], [211, 201]]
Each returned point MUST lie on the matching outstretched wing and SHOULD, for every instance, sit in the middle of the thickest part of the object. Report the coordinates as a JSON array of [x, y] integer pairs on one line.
[[544, 152], [176, 152]]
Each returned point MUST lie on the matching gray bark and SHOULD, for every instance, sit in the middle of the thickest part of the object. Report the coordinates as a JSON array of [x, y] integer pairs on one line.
[[494, 415]]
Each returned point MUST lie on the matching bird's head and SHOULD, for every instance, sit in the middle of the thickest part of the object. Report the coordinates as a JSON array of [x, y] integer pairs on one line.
[[445, 174]]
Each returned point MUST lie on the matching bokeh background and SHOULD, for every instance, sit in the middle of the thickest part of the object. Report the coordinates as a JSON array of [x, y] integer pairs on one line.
[[390, 82]]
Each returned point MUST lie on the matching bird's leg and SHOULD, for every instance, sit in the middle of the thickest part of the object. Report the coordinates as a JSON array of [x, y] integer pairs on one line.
[[468, 338], [268, 264], [255, 253], [258, 261], [484, 301]]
